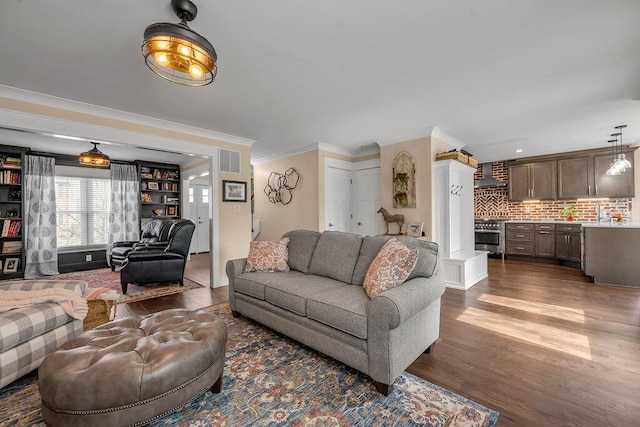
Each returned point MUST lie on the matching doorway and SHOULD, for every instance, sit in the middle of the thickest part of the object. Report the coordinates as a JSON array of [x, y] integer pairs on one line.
[[199, 201]]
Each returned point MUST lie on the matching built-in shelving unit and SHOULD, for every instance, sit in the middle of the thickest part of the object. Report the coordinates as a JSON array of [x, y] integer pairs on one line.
[[11, 248], [159, 190]]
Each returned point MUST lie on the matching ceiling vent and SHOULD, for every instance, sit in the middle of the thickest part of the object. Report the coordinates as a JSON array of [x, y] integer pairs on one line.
[[487, 179], [229, 161]]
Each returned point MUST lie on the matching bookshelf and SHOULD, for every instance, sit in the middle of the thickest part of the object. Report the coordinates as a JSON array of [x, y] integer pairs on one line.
[[159, 190], [11, 248]]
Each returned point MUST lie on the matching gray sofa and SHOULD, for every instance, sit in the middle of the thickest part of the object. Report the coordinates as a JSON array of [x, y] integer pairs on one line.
[[321, 302]]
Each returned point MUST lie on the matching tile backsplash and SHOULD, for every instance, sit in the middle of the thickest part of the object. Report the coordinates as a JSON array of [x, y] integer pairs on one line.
[[494, 203]]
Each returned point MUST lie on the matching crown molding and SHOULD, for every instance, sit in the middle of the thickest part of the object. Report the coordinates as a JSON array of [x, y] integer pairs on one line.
[[433, 131], [109, 113]]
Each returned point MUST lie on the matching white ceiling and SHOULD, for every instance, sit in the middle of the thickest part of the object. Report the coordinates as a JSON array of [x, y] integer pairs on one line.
[[499, 75]]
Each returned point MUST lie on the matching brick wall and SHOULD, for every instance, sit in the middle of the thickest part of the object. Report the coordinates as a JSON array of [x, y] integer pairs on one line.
[[494, 203]]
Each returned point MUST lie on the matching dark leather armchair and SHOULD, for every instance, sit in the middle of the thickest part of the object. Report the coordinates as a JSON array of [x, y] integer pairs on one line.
[[157, 262], [155, 235]]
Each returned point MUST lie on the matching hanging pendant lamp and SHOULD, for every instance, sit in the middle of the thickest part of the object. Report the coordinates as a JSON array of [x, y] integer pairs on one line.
[[94, 157], [177, 53]]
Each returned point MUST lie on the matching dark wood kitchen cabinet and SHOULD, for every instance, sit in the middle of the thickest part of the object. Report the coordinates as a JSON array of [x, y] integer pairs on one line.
[[545, 240], [519, 239], [612, 186], [586, 177], [575, 178], [533, 181], [568, 243]]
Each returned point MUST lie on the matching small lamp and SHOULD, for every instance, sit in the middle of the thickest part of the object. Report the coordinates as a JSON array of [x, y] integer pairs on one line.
[[94, 157]]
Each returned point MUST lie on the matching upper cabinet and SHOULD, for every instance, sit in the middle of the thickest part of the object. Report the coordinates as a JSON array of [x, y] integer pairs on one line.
[[579, 175], [586, 177], [614, 186], [532, 181]]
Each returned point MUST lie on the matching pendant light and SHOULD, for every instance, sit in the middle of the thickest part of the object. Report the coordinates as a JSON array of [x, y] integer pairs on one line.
[[620, 163], [177, 53], [94, 157]]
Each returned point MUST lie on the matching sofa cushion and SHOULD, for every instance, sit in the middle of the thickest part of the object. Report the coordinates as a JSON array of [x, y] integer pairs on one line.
[[23, 324], [253, 284], [390, 267], [343, 308], [291, 293], [427, 256], [335, 255], [371, 245], [301, 246], [268, 256]]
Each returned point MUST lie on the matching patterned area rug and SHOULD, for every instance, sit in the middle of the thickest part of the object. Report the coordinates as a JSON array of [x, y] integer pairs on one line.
[[272, 380], [105, 278]]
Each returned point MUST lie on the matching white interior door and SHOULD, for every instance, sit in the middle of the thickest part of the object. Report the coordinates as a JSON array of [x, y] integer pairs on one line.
[[199, 200], [367, 220], [337, 190]]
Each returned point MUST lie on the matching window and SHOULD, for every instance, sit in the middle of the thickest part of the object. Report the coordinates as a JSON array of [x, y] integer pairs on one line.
[[82, 209]]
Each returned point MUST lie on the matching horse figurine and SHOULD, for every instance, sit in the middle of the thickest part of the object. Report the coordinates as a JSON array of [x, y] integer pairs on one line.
[[397, 218]]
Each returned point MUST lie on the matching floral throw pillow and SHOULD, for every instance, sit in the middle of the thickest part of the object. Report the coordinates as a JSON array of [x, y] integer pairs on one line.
[[391, 267], [268, 256]]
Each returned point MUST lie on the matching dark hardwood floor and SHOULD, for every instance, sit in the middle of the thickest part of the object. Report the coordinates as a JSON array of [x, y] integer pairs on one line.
[[537, 342]]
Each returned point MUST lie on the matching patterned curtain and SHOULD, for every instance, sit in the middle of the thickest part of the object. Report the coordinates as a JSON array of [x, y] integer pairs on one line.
[[40, 225], [125, 205]]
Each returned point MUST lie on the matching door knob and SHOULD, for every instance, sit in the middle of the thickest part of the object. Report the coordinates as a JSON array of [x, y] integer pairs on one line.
[[359, 223]]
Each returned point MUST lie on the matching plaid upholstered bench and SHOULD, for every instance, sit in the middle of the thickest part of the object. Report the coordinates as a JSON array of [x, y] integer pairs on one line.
[[133, 370], [28, 334]]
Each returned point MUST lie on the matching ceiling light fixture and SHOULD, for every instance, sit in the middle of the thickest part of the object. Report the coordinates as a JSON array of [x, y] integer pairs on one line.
[[177, 53], [94, 157], [619, 163]]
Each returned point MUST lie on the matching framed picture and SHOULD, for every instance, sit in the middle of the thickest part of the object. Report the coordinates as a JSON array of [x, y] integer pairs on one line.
[[153, 186], [15, 194], [234, 191], [11, 265], [172, 210], [415, 229]]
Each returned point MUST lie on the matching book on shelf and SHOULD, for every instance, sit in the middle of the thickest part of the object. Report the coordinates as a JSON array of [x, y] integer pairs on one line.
[[11, 228], [12, 247], [10, 162], [10, 177]]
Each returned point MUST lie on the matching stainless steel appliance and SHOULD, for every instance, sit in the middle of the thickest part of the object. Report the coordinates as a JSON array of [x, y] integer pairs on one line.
[[490, 235]]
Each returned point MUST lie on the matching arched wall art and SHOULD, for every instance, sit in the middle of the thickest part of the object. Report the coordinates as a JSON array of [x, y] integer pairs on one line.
[[279, 186], [404, 181]]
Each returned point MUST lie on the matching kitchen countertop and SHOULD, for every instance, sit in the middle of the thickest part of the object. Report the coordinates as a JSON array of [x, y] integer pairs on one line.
[[607, 224], [604, 224]]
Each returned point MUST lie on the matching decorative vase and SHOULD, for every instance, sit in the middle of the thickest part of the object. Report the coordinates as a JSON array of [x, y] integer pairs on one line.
[[569, 217]]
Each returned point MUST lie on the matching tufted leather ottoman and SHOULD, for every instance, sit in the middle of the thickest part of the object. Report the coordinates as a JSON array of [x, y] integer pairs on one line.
[[133, 370]]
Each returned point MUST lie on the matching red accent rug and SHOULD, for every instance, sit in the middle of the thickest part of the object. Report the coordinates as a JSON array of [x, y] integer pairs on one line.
[[105, 278], [272, 380]]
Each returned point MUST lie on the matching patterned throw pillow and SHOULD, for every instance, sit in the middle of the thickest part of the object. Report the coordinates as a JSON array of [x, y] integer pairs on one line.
[[393, 264], [268, 256]]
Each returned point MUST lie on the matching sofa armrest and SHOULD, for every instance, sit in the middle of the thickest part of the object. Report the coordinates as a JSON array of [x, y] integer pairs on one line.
[[77, 286], [151, 255], [398, 304], [234, 267], [124, 244], [150, 246]]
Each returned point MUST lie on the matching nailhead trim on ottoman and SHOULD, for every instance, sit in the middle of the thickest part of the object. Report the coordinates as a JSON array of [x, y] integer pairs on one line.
[[133, 370]]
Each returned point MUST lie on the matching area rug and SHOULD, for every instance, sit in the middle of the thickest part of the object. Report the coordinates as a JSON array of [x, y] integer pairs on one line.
[[105, 278], [271, 380]]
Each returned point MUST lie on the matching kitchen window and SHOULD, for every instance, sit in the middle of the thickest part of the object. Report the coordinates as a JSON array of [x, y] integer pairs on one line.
[[82, 209]]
